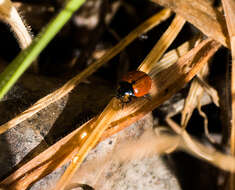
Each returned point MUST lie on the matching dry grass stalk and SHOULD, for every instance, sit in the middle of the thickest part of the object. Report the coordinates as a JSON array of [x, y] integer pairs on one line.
[[163, 43], [171, 57], [136, 108], [168, 82], [64, 150], [46, 162], [206, 130], [9, 15], [229, 7], [100, 125], [64, 90], [114, 108], [201, 14]]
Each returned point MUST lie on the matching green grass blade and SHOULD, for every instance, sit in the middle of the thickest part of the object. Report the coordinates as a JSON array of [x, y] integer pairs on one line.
[[16, 68]]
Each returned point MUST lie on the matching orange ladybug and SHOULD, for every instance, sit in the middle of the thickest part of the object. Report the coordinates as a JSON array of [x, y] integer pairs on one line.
[[134, 84]]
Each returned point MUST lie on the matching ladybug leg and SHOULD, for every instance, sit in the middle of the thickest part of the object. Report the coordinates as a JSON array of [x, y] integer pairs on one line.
[[125, 100], [148, 97], [124, 104]]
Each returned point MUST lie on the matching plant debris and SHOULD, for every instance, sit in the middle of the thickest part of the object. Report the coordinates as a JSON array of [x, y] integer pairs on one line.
[[62, 127]]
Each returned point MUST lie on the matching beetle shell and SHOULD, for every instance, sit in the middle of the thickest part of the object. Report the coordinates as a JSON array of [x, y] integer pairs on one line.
[[140, 81]]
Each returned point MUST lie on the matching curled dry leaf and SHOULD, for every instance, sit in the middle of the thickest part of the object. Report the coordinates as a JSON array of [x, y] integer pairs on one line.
[[197, 89], [194, 95]]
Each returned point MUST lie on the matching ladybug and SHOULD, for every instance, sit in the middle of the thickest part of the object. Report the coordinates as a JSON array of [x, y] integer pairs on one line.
[[133, 84]]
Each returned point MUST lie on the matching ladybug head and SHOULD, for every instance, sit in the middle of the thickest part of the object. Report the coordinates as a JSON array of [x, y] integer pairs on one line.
[[125, 92]]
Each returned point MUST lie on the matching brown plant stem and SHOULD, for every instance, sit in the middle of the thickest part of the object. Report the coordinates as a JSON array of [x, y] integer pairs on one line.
[[229, 9]]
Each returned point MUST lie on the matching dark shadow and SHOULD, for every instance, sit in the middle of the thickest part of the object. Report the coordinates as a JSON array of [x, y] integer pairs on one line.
[[11, 104], [193, 173]]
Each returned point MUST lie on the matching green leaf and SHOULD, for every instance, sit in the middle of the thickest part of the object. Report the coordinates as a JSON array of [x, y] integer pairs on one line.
[[17, 67]]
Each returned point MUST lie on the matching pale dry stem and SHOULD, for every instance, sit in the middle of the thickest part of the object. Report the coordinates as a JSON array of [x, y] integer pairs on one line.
[[70, 85], [206, 130], [9, 15], [163, 43]]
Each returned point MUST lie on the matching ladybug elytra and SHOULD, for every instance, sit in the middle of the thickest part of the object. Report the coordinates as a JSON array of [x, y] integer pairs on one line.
[[134, 84]]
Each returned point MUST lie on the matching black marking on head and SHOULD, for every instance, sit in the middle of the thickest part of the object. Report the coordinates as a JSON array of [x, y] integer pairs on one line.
[[125, 89]]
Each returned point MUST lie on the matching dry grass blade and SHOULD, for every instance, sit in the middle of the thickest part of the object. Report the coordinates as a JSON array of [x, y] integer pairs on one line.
[[63, 151], [9, 15], [173, 79], [61, 92], [201, 14], [113, 108], [170, 57], [46, 162], [229, 7], [100, 125], [161, 46]]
